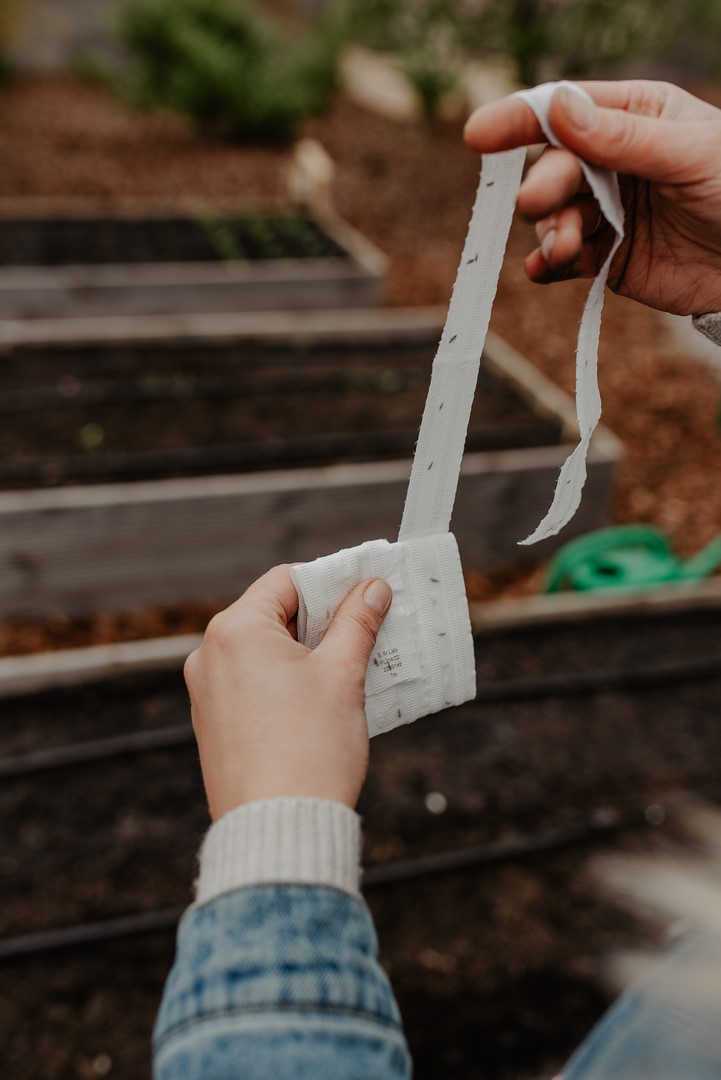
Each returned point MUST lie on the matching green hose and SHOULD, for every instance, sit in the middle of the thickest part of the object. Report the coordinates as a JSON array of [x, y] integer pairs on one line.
[[627, 557]]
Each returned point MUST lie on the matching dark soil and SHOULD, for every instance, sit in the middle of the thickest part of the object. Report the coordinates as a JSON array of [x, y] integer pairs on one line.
[[496, 969], [120, 413], [82, 241]]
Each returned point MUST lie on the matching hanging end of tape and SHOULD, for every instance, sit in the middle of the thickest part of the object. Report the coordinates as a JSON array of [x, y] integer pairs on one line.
[[566, 498]]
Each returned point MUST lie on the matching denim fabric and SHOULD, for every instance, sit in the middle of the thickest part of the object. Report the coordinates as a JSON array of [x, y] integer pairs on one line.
[[663, 1029], [279, 981]]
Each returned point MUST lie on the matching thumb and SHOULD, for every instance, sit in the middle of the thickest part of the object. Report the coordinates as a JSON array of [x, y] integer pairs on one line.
[[645, 146], [352, 634]]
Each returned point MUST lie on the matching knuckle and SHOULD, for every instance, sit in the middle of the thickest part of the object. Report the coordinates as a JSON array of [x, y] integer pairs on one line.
[[621, 133], [647, 97], [190, 667], [217, 632]]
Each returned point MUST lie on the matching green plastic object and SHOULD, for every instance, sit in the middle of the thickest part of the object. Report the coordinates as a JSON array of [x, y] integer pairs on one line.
[[627, 557]]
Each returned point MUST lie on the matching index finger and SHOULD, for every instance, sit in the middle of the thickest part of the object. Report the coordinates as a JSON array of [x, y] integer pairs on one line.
[[510, 122], [273, 595]]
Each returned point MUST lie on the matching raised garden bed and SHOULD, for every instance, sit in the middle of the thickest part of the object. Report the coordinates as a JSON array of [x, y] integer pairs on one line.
[[496, 967], [331, 401], [107, 264]]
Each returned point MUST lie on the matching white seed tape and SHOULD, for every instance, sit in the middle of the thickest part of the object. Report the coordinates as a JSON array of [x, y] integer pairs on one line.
[[423, 661], [437, 460]]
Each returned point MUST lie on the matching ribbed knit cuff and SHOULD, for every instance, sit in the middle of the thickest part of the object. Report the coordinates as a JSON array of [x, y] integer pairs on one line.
[[292, 841], [709, 325]]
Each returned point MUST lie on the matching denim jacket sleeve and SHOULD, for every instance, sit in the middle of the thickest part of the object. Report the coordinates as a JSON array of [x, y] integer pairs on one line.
[[275, 982]]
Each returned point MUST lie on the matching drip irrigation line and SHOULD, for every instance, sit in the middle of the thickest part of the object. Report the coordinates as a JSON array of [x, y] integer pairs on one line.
[[652, 677], [141, 742], [496, 692], [602, 823], [71, 937]]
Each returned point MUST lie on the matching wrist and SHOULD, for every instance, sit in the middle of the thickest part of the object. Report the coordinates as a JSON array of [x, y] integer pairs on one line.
[[258, 789], [327, 769]]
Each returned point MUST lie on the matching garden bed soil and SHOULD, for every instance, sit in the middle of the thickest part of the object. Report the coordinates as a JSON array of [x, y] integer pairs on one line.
[[496, 969], [130, 239], [79, 415]]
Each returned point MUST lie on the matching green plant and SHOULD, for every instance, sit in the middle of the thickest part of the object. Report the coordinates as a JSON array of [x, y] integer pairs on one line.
[[218, 63], [431, 76], [219, 236]]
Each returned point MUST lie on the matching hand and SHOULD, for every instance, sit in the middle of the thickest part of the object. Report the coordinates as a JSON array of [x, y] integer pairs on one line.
[[273, 718], [666, 147]]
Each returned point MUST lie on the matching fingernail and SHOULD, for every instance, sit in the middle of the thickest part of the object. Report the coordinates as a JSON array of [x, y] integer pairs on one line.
[[578, 108], [547, 244], [378, 595]]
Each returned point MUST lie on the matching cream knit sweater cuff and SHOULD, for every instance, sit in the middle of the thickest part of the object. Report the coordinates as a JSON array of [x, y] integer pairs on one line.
[[281, 841], [709, 325]]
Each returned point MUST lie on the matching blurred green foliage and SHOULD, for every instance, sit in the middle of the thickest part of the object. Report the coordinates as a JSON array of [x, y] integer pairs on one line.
[[550, 39], [547, 39], [432, 73], [227, 68]]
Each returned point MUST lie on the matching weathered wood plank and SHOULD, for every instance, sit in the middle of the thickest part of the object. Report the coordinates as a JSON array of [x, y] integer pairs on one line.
[[294, 328], [572, 607], [40, 672], [111, 547], [72, 292], [75, 667]]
